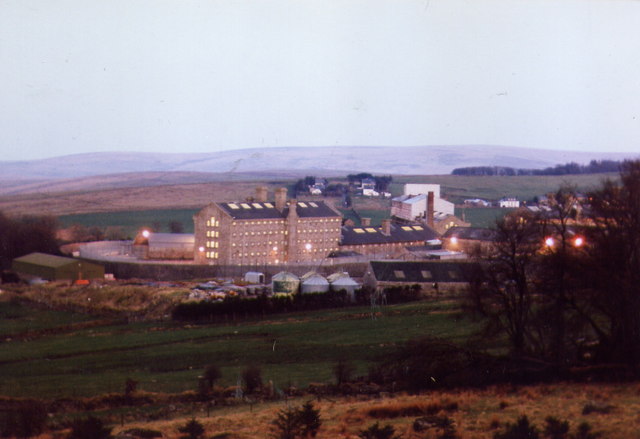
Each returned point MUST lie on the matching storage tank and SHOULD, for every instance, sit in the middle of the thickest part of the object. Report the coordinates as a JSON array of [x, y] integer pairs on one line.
[[342, 281], [314, 283], [285, 283]]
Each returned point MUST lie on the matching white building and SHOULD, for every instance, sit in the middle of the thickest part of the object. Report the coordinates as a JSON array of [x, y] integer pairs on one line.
[[413, 204], [509, 202]]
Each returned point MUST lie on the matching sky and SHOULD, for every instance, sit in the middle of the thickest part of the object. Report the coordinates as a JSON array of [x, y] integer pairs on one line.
[[206, 75]]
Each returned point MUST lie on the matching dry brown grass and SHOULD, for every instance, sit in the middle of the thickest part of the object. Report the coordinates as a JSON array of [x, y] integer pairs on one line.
[[179, 196], [478, 416]]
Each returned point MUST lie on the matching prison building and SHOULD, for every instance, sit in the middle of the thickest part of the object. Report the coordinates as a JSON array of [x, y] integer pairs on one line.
[[389, 241], [261, 232]]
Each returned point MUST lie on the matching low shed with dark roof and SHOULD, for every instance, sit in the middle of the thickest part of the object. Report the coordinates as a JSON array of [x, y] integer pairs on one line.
[[432, 276], [51, 267], [386, 241]]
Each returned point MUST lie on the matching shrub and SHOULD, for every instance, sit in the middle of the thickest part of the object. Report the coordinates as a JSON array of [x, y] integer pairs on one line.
[[26, 420], [595, 407], [303, 422], [522, 429], [211, 375], [584, 432], [343, 371], [252, 378], [376, 432], [192, 430], [556, 429], [89, 428]]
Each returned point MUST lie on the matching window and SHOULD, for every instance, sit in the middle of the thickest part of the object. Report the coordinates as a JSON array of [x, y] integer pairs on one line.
[[399, 274], [233, 206], [269, 205], [245, 206], [418, 228], [370, 230], [358, 230], [426, 274], [301, 204], [256, 205], [453, 274]]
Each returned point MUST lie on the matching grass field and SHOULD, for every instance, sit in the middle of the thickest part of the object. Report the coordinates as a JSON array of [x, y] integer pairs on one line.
[[457, 188], [290, 349], [134, 220]]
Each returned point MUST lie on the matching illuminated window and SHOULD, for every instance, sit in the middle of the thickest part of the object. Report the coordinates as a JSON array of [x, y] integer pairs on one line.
[[245, 206], [417, 228], [301, 204], [312, 204], [233, 206], [256, 205], [370, 230], [269, 205], [358, 230], [399, 274], [426, 274], [407, 228]]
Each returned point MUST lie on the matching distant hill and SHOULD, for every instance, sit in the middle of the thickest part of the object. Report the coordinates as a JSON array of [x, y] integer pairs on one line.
[[134, 169], [391, 160]]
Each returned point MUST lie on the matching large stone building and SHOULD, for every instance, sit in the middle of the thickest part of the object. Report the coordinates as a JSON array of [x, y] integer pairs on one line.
[[261, 232]]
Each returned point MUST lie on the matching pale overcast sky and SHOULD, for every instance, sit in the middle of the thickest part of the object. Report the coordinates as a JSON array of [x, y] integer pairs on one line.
[[204, 75]]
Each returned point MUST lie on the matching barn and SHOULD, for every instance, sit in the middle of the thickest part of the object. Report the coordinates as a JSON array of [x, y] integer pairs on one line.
[[51, 267]]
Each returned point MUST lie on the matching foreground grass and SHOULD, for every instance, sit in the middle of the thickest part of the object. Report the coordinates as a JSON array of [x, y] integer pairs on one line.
[[479, 413], [292, 349]]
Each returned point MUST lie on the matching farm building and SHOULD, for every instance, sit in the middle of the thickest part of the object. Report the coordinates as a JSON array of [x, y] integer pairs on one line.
[[151, 245], [342, 281], [432, 276], [313, 282], [285, 283], [51, 267], [471, 240]]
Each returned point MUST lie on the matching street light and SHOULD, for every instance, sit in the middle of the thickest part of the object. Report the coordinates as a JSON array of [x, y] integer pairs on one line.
[[549, 242], [578, 242]]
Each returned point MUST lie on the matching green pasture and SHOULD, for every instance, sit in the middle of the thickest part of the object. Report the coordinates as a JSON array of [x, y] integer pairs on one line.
[[164, 357], [16, 318], [133, 220], [481, 216], [458, 188]]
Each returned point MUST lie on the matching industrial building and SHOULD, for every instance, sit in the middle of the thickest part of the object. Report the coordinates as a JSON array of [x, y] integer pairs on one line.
[[420, 202], [51, 267]]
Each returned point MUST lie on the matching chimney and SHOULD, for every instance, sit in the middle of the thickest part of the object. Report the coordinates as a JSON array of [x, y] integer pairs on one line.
[[261, 194], [365, 222], [430, 209], [281, 198], [386, 227], [293, 212]]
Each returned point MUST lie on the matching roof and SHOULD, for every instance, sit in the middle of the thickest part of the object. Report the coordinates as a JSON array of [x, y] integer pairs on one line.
[[174, 238], [253, 210], [374, 235], [474, 233], [46, 260], [285, 276], [423, 271]]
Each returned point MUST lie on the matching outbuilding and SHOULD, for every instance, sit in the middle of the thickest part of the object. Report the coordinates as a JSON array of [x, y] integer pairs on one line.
[[285, 283], [51, 267], [313, 282]]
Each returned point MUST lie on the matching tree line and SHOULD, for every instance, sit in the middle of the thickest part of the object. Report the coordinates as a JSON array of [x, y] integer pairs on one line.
[[24, 235], [572, 168], [568, 293]]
